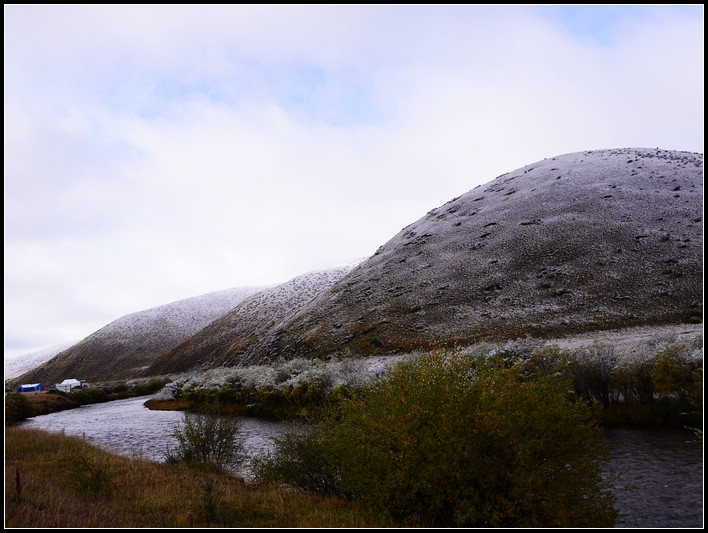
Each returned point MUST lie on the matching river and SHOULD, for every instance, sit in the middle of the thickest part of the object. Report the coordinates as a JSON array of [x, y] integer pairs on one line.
[[661, 483]]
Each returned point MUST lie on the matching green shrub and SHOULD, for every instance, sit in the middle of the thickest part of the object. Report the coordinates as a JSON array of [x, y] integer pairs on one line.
[[208, 438], [120, 387], [90, 476], [449, 440], [676, 374], [299, 461], [144, 387], [17, 408]]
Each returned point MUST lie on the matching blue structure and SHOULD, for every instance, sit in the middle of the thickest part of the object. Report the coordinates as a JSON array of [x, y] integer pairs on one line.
[[29, 387]]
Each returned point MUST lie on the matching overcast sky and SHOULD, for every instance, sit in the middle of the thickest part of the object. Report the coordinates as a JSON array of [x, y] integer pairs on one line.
[[162, 152]]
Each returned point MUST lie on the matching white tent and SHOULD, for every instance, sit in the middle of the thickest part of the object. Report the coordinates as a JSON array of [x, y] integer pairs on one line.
[[67, 385]]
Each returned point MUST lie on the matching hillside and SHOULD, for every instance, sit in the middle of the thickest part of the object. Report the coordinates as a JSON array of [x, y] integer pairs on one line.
[[17, 366], [229, 340], [131, 343], [577, 243]]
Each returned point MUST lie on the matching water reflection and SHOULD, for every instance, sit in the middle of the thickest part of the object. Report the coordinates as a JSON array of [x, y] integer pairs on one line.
[[661, 482]]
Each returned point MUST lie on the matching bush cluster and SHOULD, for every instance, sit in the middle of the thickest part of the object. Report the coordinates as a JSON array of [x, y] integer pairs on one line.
[[17, 408], [208, 439], [299, 461], [450, 440], [295, 388], [659, 381], [653, 375]]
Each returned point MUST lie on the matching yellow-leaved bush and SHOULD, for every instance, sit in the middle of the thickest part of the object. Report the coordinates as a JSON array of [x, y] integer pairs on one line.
[[453, 440]]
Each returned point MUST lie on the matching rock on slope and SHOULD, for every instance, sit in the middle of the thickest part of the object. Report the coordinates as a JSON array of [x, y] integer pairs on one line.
[[229, 340], [131, 343], [581, 242]]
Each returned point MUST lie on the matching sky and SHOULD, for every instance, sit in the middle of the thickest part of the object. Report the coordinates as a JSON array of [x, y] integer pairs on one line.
[[155, 153]]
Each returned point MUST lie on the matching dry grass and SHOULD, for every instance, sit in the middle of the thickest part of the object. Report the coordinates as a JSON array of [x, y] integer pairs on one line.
[[60, 481]]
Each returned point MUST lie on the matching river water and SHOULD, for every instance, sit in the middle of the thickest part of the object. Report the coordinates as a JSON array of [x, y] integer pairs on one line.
[[129, 428], [661, 470]]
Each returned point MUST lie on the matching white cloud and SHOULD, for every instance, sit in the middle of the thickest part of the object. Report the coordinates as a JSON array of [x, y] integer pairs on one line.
[[157, 153]]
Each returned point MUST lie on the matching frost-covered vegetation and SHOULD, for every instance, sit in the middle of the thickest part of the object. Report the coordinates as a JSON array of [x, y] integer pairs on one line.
[[658, 372], [663, 367], [298, 387], [491, 435]]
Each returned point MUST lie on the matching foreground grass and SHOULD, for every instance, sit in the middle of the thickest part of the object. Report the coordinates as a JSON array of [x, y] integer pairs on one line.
[[59, 481]]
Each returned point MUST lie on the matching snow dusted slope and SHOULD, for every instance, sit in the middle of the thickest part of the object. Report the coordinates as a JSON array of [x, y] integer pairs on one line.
[[24, 363], [128, 345], [229, 341], [582, 242]]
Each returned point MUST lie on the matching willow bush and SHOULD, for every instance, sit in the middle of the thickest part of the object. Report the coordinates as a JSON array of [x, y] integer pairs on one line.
[[449, 440], [208, 438], [299, 460]]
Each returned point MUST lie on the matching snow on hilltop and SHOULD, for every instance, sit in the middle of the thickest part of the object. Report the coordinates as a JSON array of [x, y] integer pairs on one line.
[[581, 242], [228, 341], [16, 366], [120, 349], [575, 244]]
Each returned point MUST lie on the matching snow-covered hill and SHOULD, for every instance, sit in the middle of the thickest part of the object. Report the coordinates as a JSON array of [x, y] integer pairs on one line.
[[131, 343], [228, 341], [581, 242], [16, 366]]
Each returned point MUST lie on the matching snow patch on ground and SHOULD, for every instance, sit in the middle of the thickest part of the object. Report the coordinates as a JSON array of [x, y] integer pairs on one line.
[[628, 336]]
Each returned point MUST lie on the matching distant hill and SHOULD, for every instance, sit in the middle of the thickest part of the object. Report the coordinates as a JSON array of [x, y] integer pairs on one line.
[[575, 244], [21, 364], [230, 340], [128, 345], [581, 242]]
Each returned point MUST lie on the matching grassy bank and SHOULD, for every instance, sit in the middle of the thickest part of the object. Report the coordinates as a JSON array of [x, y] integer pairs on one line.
[[59, 481]]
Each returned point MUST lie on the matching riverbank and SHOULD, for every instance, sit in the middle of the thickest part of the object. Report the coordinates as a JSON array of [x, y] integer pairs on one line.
[[651, 458], [638, 376], [22, 405], [43, 403], [57, 481], [649, 376]]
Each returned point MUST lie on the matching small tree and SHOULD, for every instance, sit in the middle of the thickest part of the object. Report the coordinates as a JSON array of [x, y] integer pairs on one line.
[[208, 438], [591, 369], [299, 461], [17, 408], [449, 440], [676, 373]]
